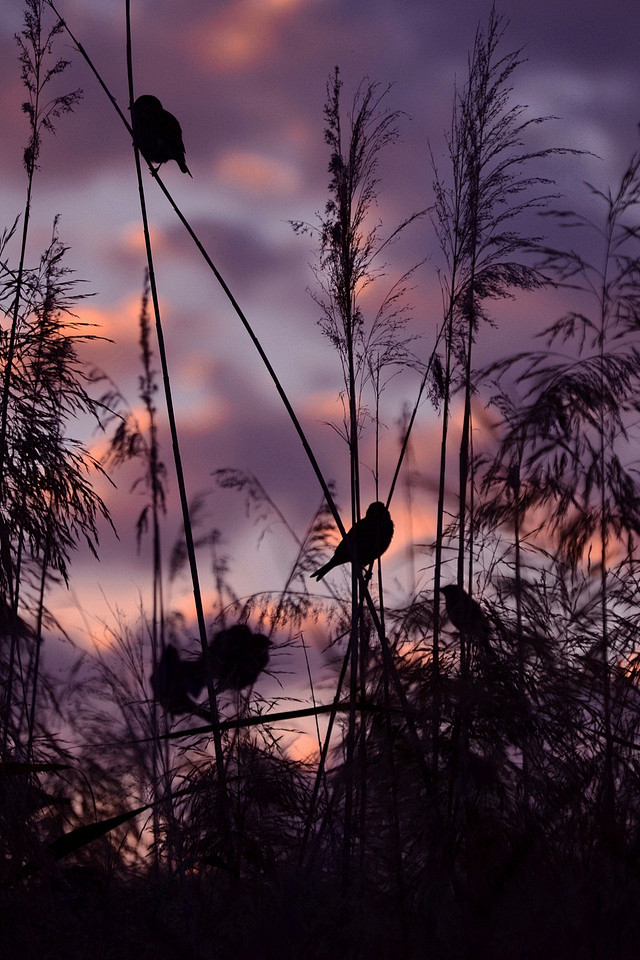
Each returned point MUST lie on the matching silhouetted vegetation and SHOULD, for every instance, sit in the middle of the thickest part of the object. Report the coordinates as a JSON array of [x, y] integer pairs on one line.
[[474, 786]]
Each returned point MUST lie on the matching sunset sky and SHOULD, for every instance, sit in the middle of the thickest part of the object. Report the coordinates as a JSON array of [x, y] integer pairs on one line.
[[247, 81]]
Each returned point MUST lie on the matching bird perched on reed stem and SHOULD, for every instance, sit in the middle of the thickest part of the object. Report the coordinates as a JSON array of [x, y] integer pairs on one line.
[[367, 540], [175, 681], [465, 613], [238, 657], [157, 132]]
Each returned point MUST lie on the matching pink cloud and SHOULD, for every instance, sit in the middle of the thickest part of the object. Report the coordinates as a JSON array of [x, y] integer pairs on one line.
[[257, 174], [243, 34]]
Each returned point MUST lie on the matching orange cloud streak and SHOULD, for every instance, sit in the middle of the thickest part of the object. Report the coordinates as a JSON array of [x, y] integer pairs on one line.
[[243, 35], [256, 173]]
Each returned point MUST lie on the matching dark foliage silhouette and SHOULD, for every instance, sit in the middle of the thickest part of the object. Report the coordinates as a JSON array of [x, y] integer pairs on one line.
[[157, 132], [10, 622], [368, 540]]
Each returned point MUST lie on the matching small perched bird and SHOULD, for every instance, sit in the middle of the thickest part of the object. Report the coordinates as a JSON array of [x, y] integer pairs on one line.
[[157, 132], [369, 539], [175, 681], [465, 613], [238, 657]]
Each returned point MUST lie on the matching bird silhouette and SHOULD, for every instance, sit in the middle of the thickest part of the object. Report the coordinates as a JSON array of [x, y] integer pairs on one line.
[[368, 539], [465, 613], [157, 132], [238, 657], [174, 681]]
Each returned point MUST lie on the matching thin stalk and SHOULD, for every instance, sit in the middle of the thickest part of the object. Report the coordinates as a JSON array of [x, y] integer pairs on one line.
[[14, 654], [471, 511], [346, 297], [466, 422], [394, 802], [524, 746], [351, 735], [609, 781], [407, 435], [4, 410], [157, 612], [15, 597], [6, 387], [35, 76], [364, 650], [437, 577], [38, 646], [320, 773], [202, 630]]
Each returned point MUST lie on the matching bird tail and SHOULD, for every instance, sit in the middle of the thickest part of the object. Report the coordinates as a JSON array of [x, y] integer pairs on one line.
[[185, 168], [319, 574]]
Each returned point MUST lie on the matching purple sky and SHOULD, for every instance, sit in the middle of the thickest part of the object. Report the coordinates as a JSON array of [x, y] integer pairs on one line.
[[246, 78]]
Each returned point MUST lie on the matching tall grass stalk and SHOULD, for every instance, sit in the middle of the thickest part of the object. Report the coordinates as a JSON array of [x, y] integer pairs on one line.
[[612, 284], [155, 473], [44, 466], [475, 215], [348, 248], [38, 69], [490, 189]]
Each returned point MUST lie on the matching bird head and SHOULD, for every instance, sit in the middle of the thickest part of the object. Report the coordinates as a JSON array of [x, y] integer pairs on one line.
[[147, 103], [376, 509], [450, 590]]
